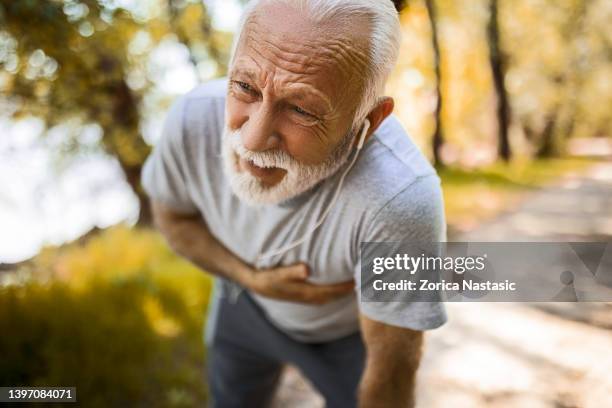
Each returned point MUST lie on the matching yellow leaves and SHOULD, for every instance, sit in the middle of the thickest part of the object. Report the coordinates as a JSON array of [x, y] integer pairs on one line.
[[553, 59], [118, 315], [162, 323], [123, 144], [190, 20], [158, 29], [98, 67], [121, 253]]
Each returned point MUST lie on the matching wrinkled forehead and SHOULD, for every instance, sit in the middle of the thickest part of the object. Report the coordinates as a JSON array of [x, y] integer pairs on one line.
[[334, 54]]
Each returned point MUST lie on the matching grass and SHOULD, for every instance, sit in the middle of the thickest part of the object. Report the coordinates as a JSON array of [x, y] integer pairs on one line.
[[474, 196]]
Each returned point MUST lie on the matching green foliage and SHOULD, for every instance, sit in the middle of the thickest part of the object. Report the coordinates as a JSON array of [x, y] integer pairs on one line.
[[121, 318], [472, 196], [87, 62], [516, 175]]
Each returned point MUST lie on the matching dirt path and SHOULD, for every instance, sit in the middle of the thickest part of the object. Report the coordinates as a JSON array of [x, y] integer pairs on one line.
[[556, 355], [530, 355]]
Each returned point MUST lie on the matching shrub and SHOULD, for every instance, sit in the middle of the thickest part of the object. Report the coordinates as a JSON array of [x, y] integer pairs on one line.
[[120, 318]]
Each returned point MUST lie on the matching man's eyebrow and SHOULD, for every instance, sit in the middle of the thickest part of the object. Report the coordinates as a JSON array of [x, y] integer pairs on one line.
[[303, 94], [299, 93], [249, 73]]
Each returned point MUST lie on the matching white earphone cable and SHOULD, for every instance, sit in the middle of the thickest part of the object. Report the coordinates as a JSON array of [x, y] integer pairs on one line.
[[366, 127]]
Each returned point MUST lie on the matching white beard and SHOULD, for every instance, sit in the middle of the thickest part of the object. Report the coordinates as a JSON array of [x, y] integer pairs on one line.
[[298, 179]]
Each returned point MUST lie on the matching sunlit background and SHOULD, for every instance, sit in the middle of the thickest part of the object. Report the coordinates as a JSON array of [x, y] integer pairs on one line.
[[510, 99], [62, 173], [54, 171]]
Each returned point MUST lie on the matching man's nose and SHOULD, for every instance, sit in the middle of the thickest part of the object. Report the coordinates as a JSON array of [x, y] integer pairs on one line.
[[259, 133]]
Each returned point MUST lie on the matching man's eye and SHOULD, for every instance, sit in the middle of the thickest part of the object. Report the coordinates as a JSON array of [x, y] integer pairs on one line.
[[244, 86], [303, 112]]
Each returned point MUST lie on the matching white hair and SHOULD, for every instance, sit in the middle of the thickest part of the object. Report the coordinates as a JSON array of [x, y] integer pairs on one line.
[[385, 37]]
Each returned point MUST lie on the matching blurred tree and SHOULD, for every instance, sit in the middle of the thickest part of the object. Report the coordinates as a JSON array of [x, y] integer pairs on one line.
[[438, 138], [561, 122], [86, 62], [498, 61], [566, 73]]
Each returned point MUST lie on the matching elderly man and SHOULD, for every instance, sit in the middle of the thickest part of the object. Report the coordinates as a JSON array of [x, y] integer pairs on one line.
[[256, 180]]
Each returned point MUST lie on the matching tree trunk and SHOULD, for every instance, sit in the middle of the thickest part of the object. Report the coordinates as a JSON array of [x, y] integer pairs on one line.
[[132, 176], [122, 140], [575, 73], [560, 123], [438, 138], [547, 145], [498, 70]]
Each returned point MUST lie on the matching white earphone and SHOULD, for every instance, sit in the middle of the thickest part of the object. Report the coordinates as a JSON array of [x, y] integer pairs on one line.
[[364, 132], [279, 251]]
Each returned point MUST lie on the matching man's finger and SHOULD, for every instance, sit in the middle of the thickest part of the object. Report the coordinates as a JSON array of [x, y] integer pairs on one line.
[[337, 288], [321, 293], [299, 271]]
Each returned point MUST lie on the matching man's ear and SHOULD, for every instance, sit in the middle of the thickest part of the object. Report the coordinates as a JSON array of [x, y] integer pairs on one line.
[[377, 115]]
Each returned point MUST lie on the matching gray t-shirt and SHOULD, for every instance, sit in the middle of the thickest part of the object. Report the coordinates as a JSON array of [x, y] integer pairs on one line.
[[391, 194]]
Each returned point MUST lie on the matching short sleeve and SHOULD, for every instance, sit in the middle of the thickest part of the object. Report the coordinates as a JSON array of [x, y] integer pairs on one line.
[[165, 175], [416, 214]]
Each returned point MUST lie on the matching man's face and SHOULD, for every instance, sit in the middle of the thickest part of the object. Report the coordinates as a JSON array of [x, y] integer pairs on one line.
[[293, 91]]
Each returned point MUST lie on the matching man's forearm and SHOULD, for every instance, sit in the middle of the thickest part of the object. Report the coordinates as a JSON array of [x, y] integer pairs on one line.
[[393, 357], [388, 386], [190, 237]]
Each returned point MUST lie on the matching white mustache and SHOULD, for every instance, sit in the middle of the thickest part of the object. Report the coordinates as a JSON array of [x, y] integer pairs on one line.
[[267, 159], [299, 178]]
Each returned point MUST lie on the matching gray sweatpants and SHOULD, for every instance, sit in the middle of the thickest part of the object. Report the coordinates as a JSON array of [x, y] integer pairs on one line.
[[246, 354]]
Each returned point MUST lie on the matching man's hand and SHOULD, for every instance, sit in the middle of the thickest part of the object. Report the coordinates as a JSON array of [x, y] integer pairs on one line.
[[289, 283], [393, 356], [188, 235]]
